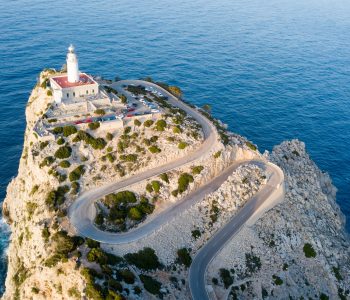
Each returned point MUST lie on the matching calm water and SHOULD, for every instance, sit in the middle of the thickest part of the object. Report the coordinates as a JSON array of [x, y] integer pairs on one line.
[[272, 70]]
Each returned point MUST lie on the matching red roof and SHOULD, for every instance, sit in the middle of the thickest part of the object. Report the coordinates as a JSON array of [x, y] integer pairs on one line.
[[62, 81]]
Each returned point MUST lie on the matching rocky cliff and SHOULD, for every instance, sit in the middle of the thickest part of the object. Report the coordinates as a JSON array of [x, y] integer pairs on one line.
[[298, 249]]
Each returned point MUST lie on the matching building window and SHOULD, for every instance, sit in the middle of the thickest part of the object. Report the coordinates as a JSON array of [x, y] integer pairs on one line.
[[67, 95]]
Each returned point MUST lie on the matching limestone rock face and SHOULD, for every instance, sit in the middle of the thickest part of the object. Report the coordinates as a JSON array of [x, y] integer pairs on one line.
[[309, 216]]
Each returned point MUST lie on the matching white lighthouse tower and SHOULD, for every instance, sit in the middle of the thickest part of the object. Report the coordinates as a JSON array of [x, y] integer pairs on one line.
[[72, 65]]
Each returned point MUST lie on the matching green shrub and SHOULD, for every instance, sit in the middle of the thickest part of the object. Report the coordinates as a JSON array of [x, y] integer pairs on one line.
[[127, 276], [183, 182], [251, 146], [137, 122], [156, 185], [175, 193], [226, 277], [196, 234], [252, 262], [45, 233], [135, 214], [197, 170], [149, 188], [57, 130], [277, 280], [74, 293], [69, 130], [324, 297], [97, 144], [34, 190], [123, 99], [127, 130], [75, 188], [184, 257], [97, 255], [164, 177], [64, 164], [55, 198], [182, 145], [35, 290], [63, 152], [160, 125], [145, 259], [94, 125], [151, 285], [60, 141], [76, 173], [154, 149], [110, 157], [177, 129], [94, 291], [336, 271], [109, 136], [31, 207], [100, 112], [55, 259], [47, 161], [129, 157], [99, 219], [43, 145], [309, 251], [217, 154], [52, 120], [49, 93], [120, 198], [148, 123]]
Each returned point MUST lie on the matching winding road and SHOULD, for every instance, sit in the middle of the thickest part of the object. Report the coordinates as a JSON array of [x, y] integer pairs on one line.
[[82, 212]]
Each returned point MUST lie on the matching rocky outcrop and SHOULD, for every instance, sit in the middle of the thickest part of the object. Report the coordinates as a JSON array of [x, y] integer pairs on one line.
[[299, 249]]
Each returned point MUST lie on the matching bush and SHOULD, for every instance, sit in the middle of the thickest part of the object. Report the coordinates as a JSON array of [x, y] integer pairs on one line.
[[148, 123], [184, 257], [277, 280], [154, 149], [197, 170], [64, 164], [196, 234], [123, 99], [127, 276], [75, 188], [309, 251], [97, 255], [177, 129], [57, 130], [49, 93], [98, 143], [183, 182], [182, 145], [55, 259], [145, 259], [251, 146], [226, 277], [92, 243], [43, 145], [45, 233], [69, 130], [109, 136], [252, 262], [47, 161], [110, 157], [160, 125], [164, 177], [129, 157], [76, 173], [60, 141], [156, 185], [63, 152], [99, 219], [55, 198], [123, 197], [74, 293], [217, 154], [135, 214], [94, 125], [137, 122], [151, 285], [100, 112]]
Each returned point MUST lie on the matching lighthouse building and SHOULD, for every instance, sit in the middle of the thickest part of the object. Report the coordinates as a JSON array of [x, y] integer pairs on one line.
[[73, 86]]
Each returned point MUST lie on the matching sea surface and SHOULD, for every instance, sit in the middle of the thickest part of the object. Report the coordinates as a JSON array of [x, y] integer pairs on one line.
[[272, 70]]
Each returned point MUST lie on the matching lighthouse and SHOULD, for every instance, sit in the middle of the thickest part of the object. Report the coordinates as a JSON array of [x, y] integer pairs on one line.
[[72, 65]]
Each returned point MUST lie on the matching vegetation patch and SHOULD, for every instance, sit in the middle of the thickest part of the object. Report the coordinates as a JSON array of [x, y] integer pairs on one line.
[[145, 259], [226, 278], [309, 251], [184, 257], [151, 285], [63, 152], [77, 173], [94, 125], [184, 181]]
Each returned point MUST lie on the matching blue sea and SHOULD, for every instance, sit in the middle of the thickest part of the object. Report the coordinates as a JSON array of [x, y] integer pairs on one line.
[[272, 70]]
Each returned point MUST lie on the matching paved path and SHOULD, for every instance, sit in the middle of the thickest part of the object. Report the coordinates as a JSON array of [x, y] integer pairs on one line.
[[271, 192], [82, 212]]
